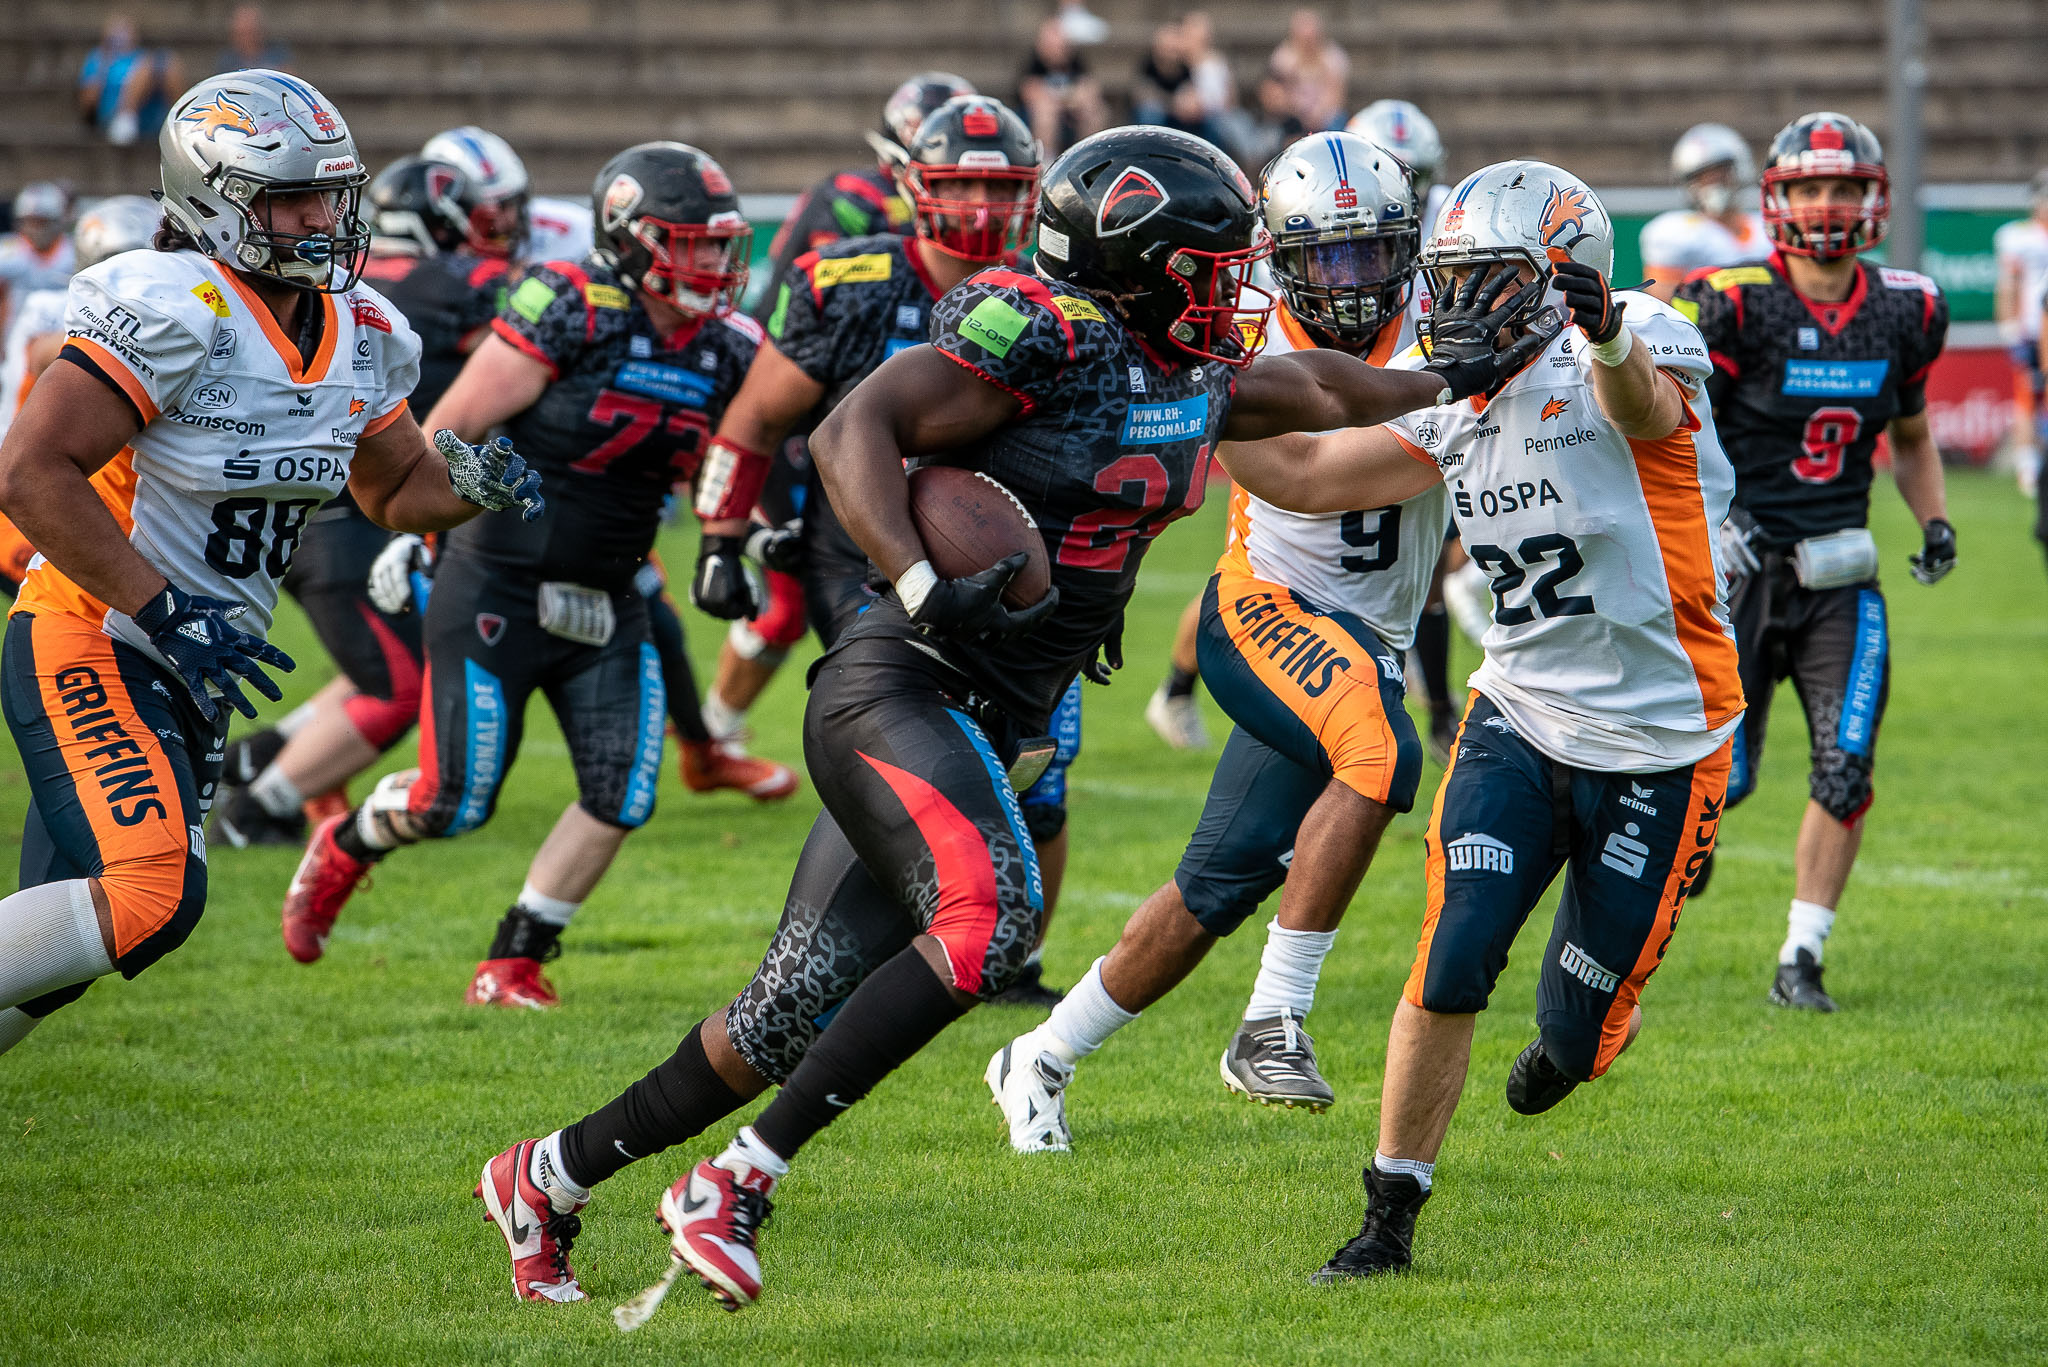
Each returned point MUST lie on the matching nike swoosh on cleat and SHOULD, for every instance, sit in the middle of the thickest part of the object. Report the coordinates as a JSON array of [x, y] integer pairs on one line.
[[832, 1099], [693, 1204], [518, 1233]]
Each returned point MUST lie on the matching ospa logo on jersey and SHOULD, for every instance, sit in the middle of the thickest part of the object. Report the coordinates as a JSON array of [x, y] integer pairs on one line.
[[1845, 379], [1154, 424]]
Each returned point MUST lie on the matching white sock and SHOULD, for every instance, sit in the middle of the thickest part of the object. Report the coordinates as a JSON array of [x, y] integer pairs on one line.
[[542, 907], [1412, 1167], [277, 794], [1288, 971], [49, 938], [721, 718], [1806, 927], [546, 1171], [293, 721], [749, 1148], [1085, 1018], [15, 1024]]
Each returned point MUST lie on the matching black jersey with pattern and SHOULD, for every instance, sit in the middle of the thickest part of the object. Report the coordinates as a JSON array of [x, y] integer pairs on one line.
[[846, 204], [1110, 444], [627, 416], [450, 300], [848, 307], [1801, 389]]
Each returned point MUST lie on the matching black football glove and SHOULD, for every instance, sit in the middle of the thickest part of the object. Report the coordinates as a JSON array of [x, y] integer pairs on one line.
[[198, 636], [778, 548], [971, 608], [720, 585], [1463, 326], [1592, 302], [1108, 657], [1937, 552], [1741, 539], [491, 475]]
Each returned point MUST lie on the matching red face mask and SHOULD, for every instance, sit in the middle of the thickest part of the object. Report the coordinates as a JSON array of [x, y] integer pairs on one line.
[[1827, 232], [977, 230], [676, 252], [1217, 324]]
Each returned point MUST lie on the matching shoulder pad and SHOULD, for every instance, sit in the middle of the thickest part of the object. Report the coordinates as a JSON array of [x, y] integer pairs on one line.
[[1689, 307], [1077, 310], [866, 269], [1729, 277], [1897, 279]]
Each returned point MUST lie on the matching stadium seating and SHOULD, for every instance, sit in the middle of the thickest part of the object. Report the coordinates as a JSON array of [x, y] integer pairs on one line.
[[780, 89]]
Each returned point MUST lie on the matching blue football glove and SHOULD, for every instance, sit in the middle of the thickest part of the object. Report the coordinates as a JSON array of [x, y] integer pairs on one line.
[[198, 636], [491, 474]]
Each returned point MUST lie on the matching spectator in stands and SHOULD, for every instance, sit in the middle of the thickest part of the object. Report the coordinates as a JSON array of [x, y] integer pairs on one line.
[[250, 44], [1058, 95], [1185, 83], [125, 89], [1309, 72], [1165, 89]]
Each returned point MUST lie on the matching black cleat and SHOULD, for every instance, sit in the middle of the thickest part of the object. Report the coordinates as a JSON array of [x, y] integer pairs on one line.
[[1798, 986], [1535, 1084], [1029, 990], [1386, 1241], [242, 821], [1698, 886]]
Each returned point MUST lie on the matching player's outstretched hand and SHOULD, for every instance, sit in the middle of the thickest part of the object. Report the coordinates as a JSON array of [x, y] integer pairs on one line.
[[1592, 302], [1464, 326], [391, 573], [721, 586], [491, 474], [971, 608], [198, 636], [780, 548], [1937, 552]]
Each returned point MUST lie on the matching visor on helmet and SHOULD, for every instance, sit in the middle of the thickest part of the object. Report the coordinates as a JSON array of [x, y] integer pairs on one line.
[[1348, 285]]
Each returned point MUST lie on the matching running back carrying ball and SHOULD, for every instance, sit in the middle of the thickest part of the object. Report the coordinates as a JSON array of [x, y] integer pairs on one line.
[[968, 521]]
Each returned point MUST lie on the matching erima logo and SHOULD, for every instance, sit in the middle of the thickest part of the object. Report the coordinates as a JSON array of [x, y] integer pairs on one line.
[[1629, 856], [1478, 853], [1586, 969], [1639, 798]]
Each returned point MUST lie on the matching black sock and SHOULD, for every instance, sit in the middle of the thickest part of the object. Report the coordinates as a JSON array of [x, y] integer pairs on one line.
[[900, 1008], [680, 1099], [1180, 683], [351, 841], [666, 627], [1433, 648], [250, 756], [522, 935]]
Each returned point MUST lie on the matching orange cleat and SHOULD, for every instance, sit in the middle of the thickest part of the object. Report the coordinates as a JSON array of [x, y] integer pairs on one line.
[[512, 982], [709, 765], [320, 888]]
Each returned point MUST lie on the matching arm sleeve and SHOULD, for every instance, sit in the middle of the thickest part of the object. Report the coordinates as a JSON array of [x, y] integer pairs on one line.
[[548, 317], [1913, 392], [1003, 326], [140, 330]]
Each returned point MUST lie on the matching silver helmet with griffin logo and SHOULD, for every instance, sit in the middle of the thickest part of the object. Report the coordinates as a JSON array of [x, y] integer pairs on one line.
[[234, 143], [1526, 213], [1407, 132], [498, 186], [121, 223], [1345, 229], [1705, 147]]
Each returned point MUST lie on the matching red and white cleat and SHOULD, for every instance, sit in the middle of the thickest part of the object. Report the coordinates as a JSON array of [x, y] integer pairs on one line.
[[709, 765], [713, 1216], [320, 888], [333, 802], [512, 982], [537, 1234]]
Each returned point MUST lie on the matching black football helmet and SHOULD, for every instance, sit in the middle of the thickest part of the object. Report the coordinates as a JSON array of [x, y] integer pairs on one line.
[[669, 223], [908, 106], [1826, 146], [421, 203], [972, 178], [1164, 229]]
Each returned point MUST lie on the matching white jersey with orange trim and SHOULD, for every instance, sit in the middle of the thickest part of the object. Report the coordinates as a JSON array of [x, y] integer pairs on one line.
[[2021, 247], [36, 315], [1610, 646], [242, 440], [558, 230], [1375, 563], [1681, 241], [23, 269]]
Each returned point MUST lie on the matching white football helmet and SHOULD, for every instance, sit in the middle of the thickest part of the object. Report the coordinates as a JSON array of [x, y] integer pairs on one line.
[[230, 139], [1524, 212], [1407, 132], [1345, 229], [1706, 145], [123, 223], [497, 182]]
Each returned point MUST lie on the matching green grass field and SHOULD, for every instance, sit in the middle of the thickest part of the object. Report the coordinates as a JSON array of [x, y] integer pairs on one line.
[[237, 1159]]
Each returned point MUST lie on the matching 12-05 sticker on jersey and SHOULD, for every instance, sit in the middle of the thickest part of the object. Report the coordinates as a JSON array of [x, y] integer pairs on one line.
[[1835, 379]]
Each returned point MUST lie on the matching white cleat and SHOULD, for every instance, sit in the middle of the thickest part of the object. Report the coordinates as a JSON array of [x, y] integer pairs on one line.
[[1031, 1094], [1178, 721]]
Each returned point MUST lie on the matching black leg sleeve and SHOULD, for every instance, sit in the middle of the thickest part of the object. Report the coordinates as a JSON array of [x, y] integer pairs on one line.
[[680, 1099], [1433, 648]]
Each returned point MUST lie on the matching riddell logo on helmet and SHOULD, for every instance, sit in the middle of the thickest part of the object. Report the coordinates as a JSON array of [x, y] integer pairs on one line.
[[339, 166], [1135, 197]]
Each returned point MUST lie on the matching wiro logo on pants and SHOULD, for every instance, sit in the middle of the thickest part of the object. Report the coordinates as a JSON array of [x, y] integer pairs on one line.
[[1477, 853]]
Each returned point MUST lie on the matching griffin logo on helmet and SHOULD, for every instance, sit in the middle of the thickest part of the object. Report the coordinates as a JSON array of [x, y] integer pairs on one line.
[[218, 113], [1135, 197], [1566, 209]]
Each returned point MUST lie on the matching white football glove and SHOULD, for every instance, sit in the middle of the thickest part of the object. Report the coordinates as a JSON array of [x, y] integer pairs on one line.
[[392, 571]]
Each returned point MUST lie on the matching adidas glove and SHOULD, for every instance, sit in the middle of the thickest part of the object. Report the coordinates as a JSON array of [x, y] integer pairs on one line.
[[1464, 326], [198, 636]]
